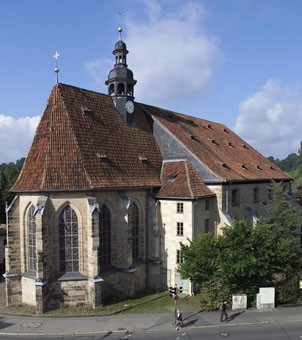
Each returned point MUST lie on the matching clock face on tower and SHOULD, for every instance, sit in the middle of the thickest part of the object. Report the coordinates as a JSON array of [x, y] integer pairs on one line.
[[129, 106]]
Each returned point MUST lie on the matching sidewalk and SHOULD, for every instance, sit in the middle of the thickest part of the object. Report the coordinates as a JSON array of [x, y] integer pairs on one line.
[[40, 325]]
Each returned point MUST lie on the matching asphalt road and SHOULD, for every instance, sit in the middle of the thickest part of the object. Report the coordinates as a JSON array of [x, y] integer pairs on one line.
[[290, 331]]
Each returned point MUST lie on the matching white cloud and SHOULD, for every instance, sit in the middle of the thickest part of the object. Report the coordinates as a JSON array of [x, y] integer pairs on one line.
[[16, 135], [171, 56], [271, 119]]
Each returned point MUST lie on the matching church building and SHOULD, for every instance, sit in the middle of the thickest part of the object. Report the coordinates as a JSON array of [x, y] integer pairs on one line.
[[111, 186]]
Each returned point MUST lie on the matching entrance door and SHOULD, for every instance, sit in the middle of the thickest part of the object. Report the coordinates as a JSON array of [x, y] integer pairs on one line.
[[185, 284]]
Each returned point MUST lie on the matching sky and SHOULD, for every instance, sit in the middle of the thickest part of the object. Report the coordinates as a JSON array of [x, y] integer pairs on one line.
[[235, 62]]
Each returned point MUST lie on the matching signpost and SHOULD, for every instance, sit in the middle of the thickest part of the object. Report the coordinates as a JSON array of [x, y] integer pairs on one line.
[[174, 292]]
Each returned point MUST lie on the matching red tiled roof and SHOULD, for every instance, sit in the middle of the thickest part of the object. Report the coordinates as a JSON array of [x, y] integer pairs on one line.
[[180, 180], [217, 147], [83, 143]]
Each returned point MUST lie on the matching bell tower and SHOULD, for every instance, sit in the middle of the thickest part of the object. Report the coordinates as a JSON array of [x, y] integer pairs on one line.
[[121, 83]]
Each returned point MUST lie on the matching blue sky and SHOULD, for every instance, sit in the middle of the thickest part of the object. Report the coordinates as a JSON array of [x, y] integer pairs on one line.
[[236, 62]]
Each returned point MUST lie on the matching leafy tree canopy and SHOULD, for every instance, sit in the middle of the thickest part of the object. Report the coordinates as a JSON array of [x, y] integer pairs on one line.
[[243, 259], [8, 174]]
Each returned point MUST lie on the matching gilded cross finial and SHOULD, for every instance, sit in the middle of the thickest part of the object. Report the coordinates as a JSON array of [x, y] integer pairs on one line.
[[56, 56], [120, 27]]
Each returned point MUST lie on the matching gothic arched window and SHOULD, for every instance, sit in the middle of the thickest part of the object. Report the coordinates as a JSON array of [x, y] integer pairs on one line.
[[105, 237], [134, 223], [68, 241], [31, 239]]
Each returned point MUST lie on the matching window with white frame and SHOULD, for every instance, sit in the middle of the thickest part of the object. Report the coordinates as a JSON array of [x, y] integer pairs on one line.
[[178, 257], [179, 229], [180, 208]]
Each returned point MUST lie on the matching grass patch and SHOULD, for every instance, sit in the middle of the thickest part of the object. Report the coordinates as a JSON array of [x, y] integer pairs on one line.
[[146, 303]]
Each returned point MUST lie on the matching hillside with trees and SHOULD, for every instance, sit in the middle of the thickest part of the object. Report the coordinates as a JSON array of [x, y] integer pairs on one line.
[[8, 175]]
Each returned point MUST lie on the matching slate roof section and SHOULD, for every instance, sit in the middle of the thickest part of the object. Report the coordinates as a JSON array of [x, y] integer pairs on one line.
[[217, 147], [180, 180], [82, 143]]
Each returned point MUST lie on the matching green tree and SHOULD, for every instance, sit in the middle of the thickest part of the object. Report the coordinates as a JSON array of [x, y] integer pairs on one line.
[[199, 258], [8, 175], [243, 259]]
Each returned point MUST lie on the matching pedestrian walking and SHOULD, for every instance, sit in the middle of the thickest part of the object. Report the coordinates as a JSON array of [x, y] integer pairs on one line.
[[178, 320], [223, 310]]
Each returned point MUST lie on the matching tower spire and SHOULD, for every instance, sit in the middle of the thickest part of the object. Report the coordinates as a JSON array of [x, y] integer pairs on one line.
[[120, 81]]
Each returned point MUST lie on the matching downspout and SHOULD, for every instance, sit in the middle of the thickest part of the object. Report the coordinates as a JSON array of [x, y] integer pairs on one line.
[[147, 226], [227, 201]]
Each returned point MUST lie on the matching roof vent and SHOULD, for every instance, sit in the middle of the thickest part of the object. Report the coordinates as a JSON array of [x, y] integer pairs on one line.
[[142, 159], [209, 126], [230, 144], [102, 157], [86, 111], [243, 166], [244, 146], [213, 141], [271, 167], [258, 167], [225, 166], [192, 136], [172, 177], [225, 130]]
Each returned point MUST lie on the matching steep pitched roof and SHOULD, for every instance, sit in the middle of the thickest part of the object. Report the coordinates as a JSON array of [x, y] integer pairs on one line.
[[217, 147], [83, 143], [180, 180]]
